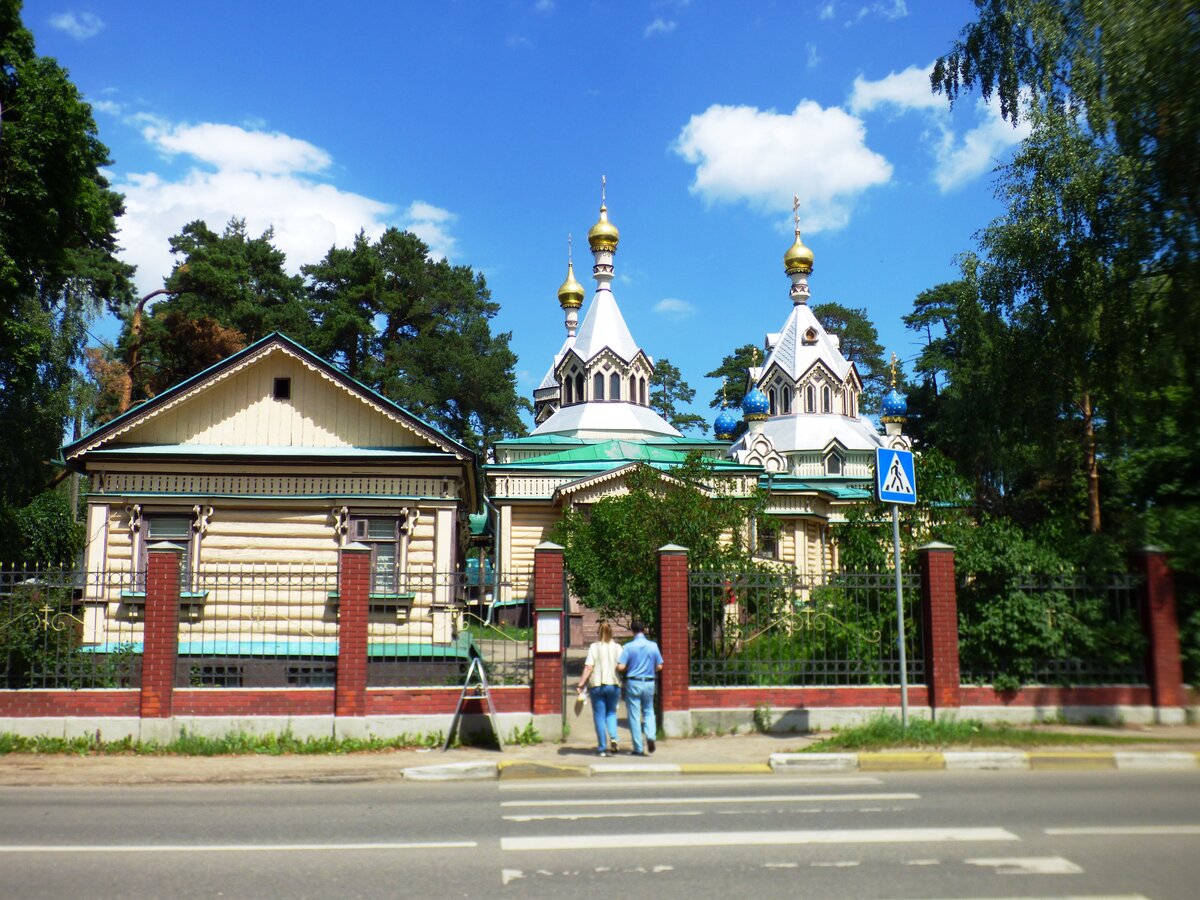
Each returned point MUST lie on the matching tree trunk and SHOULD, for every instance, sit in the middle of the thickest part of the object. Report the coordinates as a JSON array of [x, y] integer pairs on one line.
[[1091, 467]]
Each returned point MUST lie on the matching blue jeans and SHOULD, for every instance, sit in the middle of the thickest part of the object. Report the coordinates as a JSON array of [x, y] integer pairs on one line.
[[639, 706], [604, 713]]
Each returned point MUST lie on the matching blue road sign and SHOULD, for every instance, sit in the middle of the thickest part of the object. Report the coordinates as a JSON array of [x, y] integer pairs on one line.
[[895, 477]]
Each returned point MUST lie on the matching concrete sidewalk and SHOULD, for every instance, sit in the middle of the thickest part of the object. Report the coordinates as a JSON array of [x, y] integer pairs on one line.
[[1159, 747]]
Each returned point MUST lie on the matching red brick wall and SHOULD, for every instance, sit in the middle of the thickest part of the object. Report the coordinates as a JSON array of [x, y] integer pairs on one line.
[[160, 637], [439, 701], [939, 603], [1164, 668], [780, 698], [673, 638], [70, 703], [354, 586], [1107, 695], [548, 594], [259, 702]]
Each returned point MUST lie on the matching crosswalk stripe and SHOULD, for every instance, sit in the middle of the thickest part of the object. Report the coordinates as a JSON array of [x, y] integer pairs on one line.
[[752, 838], [1126, 829], [1028, 865], [689, 782], [676, 801], [571, 817], [230, 848]]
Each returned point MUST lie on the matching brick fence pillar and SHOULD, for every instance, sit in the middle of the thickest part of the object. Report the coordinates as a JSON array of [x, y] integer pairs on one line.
[[160, 634], [673, 639], [1164, 667], [939, 614], [354, 588], [549, 601]]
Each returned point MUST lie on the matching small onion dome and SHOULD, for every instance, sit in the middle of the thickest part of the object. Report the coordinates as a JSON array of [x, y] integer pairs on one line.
[[725, 425], [570, 295], [755, 405], [798, 258], [603, 235], [895, 407]]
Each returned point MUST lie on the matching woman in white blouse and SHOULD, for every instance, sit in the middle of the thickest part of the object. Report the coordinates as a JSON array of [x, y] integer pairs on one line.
[[603, 687]]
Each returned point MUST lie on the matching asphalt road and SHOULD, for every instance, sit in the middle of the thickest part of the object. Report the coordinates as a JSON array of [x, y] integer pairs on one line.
[[903, 834]]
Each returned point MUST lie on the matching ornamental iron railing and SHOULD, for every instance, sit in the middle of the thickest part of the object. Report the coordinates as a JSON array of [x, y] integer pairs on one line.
[[787, 629], [260, 626], [1053, 631]]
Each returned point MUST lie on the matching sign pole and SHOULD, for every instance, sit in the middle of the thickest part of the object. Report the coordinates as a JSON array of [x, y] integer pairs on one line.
[[900, 618]]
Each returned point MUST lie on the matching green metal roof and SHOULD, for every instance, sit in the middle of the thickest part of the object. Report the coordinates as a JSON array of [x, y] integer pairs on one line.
[[602, 455]]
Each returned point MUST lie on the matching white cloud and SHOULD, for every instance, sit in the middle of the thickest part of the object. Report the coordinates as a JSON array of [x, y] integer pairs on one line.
[[826, 13], [544, 6], [896, 9], [813, 57], [81, 26], [267, 178], [980, 149], [742, 153], [905, 90], [659, 26], [110, 107], [678, 309], [233, 148], [432, 225], [958, 160]]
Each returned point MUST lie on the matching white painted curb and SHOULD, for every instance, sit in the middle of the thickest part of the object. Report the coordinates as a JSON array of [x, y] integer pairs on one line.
[[462, 771], [986, 759], [1154, 760], [636, 769], [821, 762]]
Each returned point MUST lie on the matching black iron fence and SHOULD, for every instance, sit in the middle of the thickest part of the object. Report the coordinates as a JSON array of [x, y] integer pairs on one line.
[[55, 631], [787, 629], [260, 626], [1036, 630]]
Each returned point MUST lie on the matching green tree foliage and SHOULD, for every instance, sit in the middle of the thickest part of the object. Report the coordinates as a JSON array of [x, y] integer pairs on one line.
[[50, 535], [1095, 264], [859, 343], [669, 392], [734, 379], [57, 246], [610, 548], [415, 329], [418, 330]]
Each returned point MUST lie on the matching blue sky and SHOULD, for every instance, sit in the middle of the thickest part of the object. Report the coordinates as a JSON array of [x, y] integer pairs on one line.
[[485, 128]]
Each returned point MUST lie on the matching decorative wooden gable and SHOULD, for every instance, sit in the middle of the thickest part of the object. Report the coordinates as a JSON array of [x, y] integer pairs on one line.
[[273, 394]]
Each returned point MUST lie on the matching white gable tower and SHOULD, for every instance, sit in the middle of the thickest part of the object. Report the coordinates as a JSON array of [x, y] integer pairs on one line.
[[599, 385]]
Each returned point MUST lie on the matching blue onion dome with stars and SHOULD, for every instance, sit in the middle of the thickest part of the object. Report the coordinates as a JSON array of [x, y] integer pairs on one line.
[[895, 407], [725, 425], [755, 405]]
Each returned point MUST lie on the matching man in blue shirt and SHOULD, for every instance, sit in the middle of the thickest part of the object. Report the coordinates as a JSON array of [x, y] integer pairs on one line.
[[640, 661]]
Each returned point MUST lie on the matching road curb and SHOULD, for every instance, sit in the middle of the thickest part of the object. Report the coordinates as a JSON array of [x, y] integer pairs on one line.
[[460, 771], [896, 762], [814, 762], [525, 769], [1076, 760], [986, 759], [1132, 759]]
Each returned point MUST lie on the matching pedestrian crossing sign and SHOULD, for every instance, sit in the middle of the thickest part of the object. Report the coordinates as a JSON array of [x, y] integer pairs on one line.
[[895, 478]]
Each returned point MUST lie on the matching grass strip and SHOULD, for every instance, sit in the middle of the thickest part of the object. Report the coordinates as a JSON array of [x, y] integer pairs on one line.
[[233, 744], [886, 733]]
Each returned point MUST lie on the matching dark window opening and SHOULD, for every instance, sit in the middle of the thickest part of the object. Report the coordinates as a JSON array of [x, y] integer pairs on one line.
[[282, 389]]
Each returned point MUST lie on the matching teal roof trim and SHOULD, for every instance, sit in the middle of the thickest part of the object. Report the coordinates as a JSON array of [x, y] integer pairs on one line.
[[322, 452]]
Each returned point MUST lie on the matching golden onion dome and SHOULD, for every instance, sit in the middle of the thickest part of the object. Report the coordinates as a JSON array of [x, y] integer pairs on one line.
[[798, 257], [570, 295], [603, 235]]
